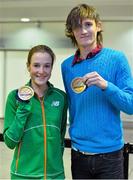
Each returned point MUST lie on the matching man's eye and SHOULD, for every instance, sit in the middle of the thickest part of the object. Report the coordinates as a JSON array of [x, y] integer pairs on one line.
[[88, 24]]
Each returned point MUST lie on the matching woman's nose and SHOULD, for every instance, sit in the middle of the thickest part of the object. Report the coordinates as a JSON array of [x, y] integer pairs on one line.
[[41, 70]]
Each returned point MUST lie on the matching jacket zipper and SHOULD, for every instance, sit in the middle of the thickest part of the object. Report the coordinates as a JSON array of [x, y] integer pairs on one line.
[[45, 141]]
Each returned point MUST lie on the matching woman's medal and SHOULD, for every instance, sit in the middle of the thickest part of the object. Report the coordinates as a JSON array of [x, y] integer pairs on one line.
[[25, 93]]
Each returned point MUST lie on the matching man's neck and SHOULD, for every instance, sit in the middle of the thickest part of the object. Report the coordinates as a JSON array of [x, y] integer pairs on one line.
[[85, 50]]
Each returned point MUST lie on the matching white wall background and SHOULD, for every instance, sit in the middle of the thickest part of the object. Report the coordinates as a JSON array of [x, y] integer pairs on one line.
[[119, 35], [1, 82], [13, 72]]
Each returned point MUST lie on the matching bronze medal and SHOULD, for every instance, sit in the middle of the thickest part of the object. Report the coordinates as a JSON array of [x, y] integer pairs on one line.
[[25, 93], [78, 85]]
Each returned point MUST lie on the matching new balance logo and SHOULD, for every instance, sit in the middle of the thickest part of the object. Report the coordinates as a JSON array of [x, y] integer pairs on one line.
[[55, 103]]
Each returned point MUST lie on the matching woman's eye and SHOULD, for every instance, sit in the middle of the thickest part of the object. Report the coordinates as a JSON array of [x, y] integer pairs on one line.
[[36, 65], [48, 65]]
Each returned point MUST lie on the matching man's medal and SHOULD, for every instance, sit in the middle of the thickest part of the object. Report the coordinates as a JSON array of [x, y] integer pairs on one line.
[[78, 85]]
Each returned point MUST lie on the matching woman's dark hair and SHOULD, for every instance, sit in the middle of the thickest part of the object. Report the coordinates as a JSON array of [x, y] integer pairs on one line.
[[40, 48]]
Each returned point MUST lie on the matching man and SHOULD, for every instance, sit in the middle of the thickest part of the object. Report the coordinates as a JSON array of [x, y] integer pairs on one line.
[[99, 85]]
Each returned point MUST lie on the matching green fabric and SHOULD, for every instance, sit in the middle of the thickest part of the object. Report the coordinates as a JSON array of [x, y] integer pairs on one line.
[[59, 177], [23, 126]]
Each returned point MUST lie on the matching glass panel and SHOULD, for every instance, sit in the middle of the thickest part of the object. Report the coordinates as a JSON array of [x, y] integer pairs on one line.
[[16, 70]]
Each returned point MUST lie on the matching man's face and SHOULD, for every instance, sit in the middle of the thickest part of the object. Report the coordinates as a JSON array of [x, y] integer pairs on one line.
[[86, 33]]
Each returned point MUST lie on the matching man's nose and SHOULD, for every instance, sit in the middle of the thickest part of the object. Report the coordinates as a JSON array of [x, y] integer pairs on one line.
[[83, 29]]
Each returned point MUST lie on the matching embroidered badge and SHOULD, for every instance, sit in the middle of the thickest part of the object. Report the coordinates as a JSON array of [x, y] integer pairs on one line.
[[55, 103]]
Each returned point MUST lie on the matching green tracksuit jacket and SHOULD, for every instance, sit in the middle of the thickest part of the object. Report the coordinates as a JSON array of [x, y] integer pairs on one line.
[[36, 130]]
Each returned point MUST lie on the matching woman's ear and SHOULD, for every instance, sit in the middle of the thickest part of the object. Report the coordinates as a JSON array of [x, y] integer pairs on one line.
[[99, 26], [28, 67]]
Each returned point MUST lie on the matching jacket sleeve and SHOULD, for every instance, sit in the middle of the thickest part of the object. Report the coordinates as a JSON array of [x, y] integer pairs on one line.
[[120, 94], [64, 123], [16, 115]]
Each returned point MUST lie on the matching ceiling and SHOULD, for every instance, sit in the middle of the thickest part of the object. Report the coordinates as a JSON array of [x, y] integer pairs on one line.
[[57, 10]]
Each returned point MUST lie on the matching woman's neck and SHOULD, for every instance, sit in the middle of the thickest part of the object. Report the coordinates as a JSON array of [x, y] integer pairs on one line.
[[39, 90]]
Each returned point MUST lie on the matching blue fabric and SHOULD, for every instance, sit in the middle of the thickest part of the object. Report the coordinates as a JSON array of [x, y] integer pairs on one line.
[[95, 123]]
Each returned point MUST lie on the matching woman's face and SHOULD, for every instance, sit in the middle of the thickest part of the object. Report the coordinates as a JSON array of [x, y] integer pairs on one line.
[[40, 68]]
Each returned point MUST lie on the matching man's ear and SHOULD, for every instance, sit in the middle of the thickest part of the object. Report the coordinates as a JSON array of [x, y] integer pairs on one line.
[[99, 26]]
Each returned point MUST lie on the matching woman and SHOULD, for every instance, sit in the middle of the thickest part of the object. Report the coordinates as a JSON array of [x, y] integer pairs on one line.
[[35, 121]]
